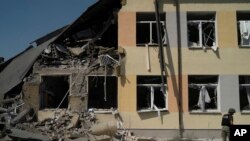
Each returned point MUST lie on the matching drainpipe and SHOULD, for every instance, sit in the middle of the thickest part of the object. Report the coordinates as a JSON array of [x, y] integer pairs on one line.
[[159, 36], [161, 57], [180, 110]]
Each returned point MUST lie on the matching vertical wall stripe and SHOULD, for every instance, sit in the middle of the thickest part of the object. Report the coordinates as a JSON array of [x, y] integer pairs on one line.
[[127, 29], [184, 35], [229, 92], [171, 28]]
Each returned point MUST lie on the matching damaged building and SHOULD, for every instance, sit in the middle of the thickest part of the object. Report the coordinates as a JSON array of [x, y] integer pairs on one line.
[[150, 68]]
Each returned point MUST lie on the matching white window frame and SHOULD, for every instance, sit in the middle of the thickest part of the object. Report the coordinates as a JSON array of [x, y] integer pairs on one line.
[[164, 38], [215, 85], [152, 105], [201, 34], [241, 42], [244, 85]]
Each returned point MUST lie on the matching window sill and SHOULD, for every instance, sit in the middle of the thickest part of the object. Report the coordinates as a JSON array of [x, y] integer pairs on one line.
[[206, 112], [148, 110], [214, 48], [195, 47], [244, 46], [103, 111], [149, 45], [245, 112], [199, 47]]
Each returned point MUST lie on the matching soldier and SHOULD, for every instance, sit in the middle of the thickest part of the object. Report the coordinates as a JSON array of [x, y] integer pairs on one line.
[[227, 120]]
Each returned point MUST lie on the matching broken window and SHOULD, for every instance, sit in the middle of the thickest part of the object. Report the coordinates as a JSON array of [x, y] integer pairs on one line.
[[102, 92], [243, 21], [244, 82], [201, 30], [150, 94], [202, 93], [54, 91], [146, 30]]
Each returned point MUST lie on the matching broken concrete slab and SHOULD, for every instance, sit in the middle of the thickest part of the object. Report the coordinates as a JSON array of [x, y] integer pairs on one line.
[[17, 133], [74, 121], [78, 103], [20, 116], [45, 114], [76, 51], [107, 128], [6, 138]]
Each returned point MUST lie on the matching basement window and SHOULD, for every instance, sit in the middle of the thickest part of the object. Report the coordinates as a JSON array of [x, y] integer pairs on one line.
[[203, 93], [244, 82], [201, 30], [53, 90], [150, 94], [102, 95], [243, 28], [146, 30]]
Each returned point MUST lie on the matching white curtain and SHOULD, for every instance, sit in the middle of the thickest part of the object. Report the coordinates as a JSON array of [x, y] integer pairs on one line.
[[245, 32], [203, 98]]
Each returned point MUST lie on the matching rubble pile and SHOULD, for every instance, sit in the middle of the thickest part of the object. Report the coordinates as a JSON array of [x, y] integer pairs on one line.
[[69, 125], [64, 125]]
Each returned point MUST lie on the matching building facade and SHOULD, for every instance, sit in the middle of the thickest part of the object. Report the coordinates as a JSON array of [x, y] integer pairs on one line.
[[204, 48], [113, 62]]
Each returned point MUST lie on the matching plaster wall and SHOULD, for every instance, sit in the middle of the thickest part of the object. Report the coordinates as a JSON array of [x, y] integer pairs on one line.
[[229, 92], [227, 62]]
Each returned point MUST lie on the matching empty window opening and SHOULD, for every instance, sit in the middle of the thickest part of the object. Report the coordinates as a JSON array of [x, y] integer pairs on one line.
[[146, 31], [52, 91], [201, 30], [150, 94], [202, 93], [101, 95], [244, 82], [243, 28]]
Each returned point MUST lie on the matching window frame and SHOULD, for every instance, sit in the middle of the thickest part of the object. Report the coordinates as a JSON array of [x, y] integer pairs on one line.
[[151, 22], [151, 108], [241, 16], [243, 86], [215, 86], [200, 21]]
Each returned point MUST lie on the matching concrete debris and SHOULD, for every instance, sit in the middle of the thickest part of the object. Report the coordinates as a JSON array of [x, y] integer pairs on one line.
[[20, 116], [108, 128], [17, 134], [62, 125], [45, 93], [76, 51]]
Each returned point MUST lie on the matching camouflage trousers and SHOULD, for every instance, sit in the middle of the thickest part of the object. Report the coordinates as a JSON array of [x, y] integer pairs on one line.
[[225, 133]]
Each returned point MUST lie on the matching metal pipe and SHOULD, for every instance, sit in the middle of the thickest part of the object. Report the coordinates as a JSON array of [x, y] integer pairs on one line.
[[159, 36], [180, 110]]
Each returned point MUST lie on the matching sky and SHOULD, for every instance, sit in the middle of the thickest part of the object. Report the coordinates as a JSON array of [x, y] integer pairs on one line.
[[23, 21]]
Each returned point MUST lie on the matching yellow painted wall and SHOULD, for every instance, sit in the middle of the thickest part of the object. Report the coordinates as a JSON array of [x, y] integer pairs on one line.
[[136, 61], [228, 60], [127, 93], [127, 29], [150, 120], [226, 29], [222, 62]]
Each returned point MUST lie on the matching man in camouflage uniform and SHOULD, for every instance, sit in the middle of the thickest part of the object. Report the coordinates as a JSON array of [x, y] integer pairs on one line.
[[227, 120]]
